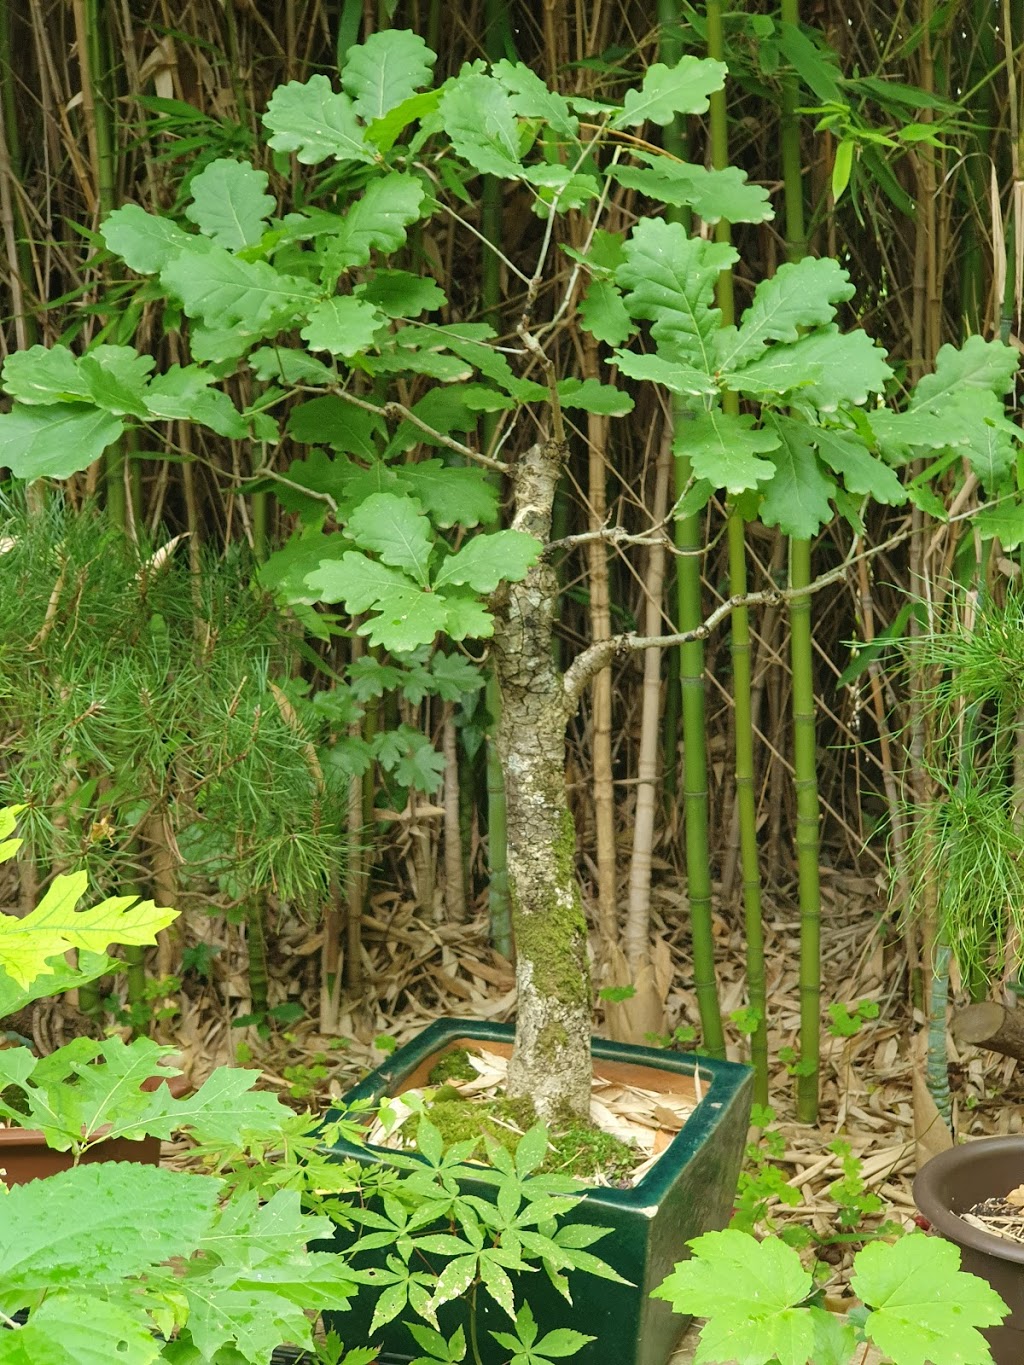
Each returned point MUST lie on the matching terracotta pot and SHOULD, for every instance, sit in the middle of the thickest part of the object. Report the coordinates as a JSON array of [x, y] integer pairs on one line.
[[24, 1155], [689, 1191], [950, 1184]]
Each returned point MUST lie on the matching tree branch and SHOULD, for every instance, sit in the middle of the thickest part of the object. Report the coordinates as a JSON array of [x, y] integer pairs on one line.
[[599, 655], [400, 411]]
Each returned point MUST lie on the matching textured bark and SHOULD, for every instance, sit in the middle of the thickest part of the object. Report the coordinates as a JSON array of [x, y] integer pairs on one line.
[[551, 1060]]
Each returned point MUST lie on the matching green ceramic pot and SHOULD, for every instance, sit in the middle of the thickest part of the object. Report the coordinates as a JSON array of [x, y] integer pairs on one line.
[[688, 1192]]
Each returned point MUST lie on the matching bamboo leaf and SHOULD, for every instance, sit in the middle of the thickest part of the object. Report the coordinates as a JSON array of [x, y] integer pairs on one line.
[[670, 90], [797, 496], [230, 203], [723, 448], [57, 441], [315, 122], [387, 69]]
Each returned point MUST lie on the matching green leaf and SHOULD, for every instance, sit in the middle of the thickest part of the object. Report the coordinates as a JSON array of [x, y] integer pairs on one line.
[[797, 496], [223, 1110], [291, 367], [384, 132], [817, 73], [532, 99], [400, 294], [397, 530], [230, 293], [977, 364], [230, 203], [338, 424], [80, 1329], [315, 122], [1005, 520], [389, 67], [55, 926], [800, 294], [861, 472], [184, 394], [591, 395], [671, 280], [453, 496], [531, 1150], [668, 91], [680, 379], [563, 1341], [924, 1308], [342, 325], [377, 221], [146, 242], [842, 165], [480, 119], [711, 194], [722, 448], [749, 1290], [466, 617], [487, 560], [603, 313], [57, 441], [44, 374], [71, 1229], [825, 368], [420, 767]]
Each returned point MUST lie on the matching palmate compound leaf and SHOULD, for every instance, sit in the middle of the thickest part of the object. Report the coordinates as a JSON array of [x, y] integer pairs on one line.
[[487, 560], [385, 71], [96, 1224], [55, 926], [751, 1291], [230, 203], [55, 441], [480, 119], [670, 280], [670, 90], [79, 1329], [343, 325], [797, 496], [924, 1308], [800, 294], [315, 122], [711, 194], [226, 292], [723, 449]]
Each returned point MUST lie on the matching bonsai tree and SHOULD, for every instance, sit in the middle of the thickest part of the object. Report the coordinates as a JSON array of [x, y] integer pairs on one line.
[[343, 351]]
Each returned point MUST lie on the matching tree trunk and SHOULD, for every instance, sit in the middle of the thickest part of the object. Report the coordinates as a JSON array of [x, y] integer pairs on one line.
[[551, 1059]]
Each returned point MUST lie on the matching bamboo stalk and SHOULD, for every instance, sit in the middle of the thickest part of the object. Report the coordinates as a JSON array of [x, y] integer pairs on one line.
[[688, 534]]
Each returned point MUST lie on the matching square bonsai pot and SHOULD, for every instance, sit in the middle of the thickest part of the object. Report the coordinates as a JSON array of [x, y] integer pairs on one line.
[[688, 1191]]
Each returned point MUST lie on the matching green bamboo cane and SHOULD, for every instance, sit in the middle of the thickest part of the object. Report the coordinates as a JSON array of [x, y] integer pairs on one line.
[[802, 664], [689, 539], [746, 799]]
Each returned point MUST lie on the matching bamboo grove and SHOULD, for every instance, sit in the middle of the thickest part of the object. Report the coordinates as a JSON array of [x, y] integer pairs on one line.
[[824, 723]]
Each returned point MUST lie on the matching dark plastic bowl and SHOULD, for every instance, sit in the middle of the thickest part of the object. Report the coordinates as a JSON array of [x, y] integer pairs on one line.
[[951, 1184]]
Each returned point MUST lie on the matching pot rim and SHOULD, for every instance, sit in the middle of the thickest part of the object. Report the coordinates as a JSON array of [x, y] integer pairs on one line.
[[950, 1224]]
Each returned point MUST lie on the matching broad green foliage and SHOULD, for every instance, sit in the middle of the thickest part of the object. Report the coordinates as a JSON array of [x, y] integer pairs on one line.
[[920, 1306]]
